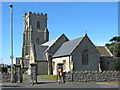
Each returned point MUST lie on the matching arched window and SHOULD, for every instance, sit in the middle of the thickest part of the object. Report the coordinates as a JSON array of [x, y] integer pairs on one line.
[[38, 24], [85, 57]]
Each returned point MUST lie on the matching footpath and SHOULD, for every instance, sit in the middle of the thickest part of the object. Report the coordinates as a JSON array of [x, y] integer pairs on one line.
[[28, 83], [10, 84]]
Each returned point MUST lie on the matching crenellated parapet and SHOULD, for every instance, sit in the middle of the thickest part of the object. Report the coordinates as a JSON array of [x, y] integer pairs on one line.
[[35, 14], [34, 31]]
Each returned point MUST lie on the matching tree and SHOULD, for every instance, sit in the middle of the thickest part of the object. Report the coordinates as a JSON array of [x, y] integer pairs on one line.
[[114, 47], [116, 66], [115, 39]]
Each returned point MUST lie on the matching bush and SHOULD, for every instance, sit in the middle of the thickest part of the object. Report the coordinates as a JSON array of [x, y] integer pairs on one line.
[[116, 66]]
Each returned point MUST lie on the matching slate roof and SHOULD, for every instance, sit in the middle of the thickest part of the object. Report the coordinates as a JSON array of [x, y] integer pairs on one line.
[[51, 42], [67, 47], [40, 52], [104, 51]]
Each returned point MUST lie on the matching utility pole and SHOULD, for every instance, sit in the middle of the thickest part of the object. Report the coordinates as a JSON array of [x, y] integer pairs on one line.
[[11, 45]]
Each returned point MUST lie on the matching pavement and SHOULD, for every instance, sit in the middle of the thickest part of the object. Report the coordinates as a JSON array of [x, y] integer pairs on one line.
[[45, 83], [9, 84], [27, 83], [74, 85]]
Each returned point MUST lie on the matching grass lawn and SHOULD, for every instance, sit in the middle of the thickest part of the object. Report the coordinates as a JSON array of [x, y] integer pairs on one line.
[[24, 79], [10, 70], [50, 77]]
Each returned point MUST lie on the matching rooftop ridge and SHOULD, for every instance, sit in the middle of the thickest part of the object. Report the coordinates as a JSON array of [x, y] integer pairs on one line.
[[74, 39], [100, 46]]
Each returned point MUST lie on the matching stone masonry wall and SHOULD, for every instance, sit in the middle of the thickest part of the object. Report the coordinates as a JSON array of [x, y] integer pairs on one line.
[[6, 77], [91, 76], [17, 75]]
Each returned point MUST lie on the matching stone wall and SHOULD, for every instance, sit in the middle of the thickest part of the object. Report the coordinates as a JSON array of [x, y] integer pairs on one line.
[[3, 69], [17, 75], [6, 77], [42, 67], [91, 76]]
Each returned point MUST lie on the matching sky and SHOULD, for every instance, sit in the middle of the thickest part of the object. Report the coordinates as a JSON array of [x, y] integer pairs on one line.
[[98, 19]]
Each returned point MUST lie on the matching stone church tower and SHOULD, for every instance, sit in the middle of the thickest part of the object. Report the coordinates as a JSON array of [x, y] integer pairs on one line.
[[35, 31], [36, 45]]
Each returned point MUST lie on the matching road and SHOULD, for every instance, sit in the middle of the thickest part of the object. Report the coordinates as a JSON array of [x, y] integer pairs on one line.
[[73, 85]]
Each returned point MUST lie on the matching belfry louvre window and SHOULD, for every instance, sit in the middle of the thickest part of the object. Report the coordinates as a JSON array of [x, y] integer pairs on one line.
[[37, 41], [85, 57], [38, 24]]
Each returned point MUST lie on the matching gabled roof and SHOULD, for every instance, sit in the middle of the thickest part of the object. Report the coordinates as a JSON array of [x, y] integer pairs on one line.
[[51, 42], [67, 47], [40, 52], [104, 51]]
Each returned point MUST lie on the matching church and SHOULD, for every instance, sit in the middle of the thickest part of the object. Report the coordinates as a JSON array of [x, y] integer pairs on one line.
[[79, 54]]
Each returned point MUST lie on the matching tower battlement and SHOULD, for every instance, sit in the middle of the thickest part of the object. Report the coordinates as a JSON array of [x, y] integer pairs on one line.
[[34, 31], [35, 13]]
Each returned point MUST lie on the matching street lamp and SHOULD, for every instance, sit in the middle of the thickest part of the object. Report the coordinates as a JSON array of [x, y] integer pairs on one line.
[[11, 57]]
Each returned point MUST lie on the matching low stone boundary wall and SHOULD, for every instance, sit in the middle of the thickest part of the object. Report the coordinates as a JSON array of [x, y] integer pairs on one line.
[[91, 76], [17, 75], [3, 69], [6, 77]]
